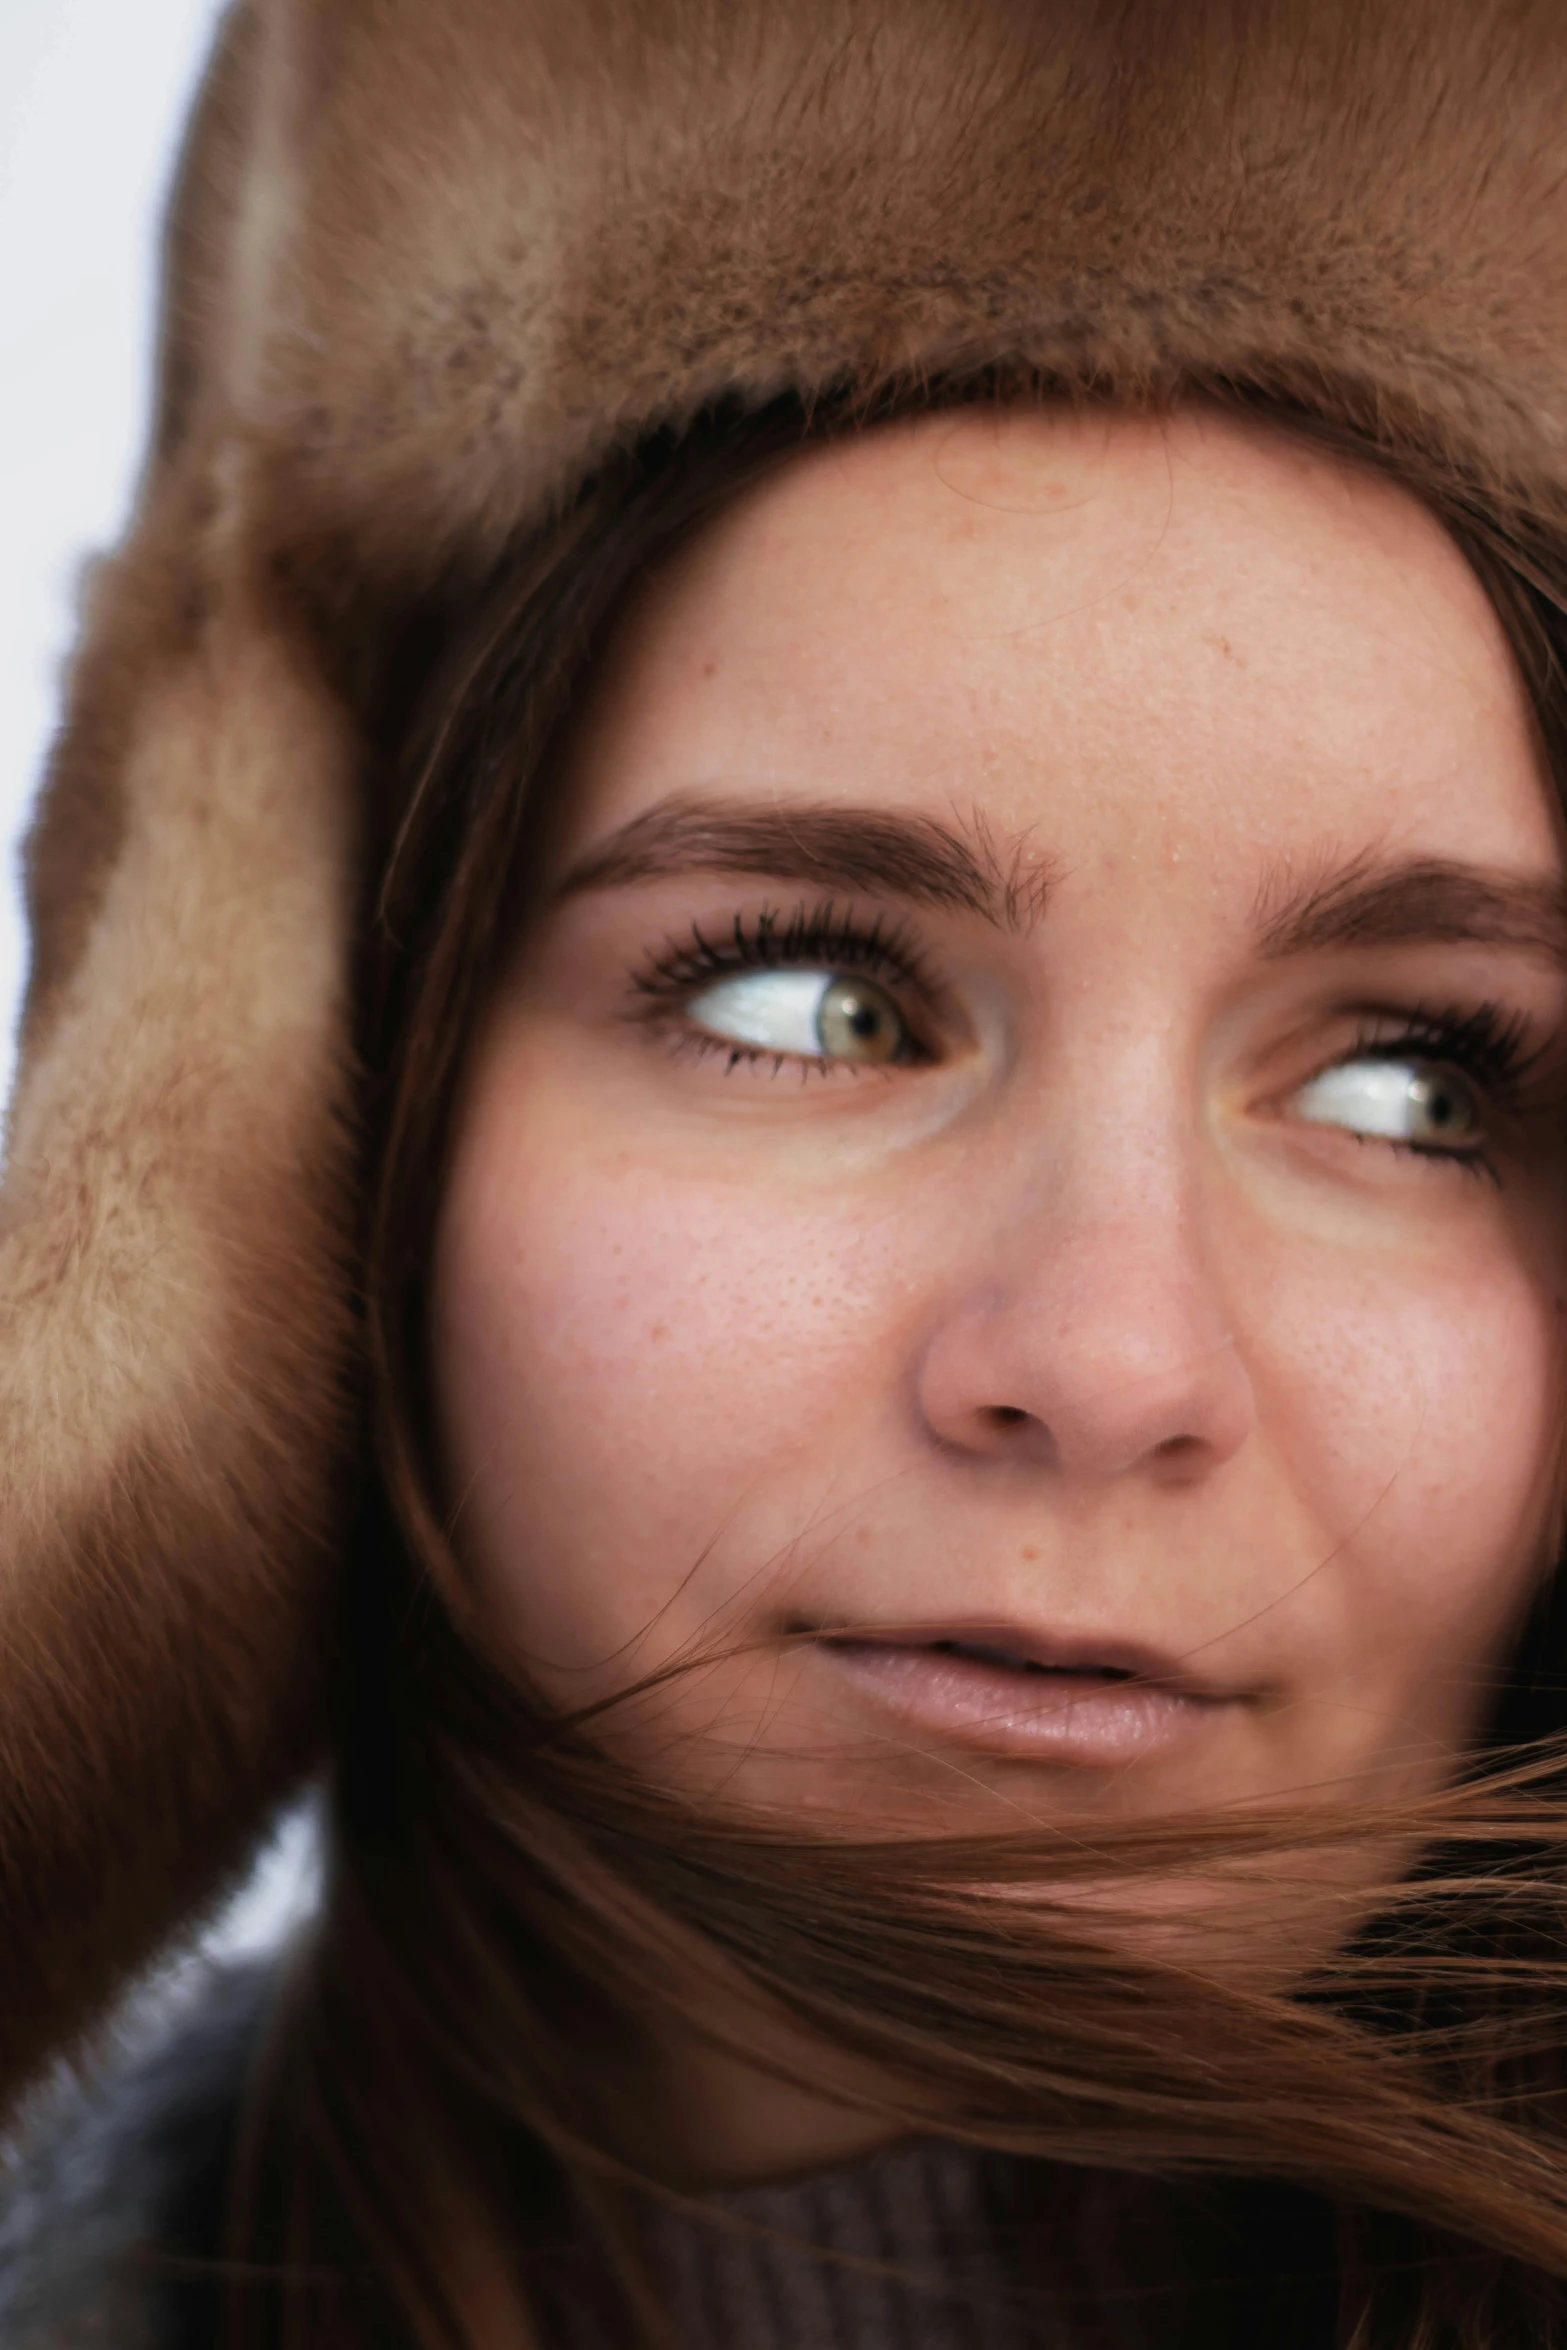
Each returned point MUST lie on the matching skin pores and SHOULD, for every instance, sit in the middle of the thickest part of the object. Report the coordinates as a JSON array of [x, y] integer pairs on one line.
[[1007, 1206]]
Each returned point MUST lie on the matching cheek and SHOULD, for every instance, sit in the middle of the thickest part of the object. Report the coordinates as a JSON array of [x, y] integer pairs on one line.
[[645, 1381], [1420, 1404]]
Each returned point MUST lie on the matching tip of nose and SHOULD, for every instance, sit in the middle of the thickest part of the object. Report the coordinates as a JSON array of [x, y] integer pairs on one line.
[[1019, 1388]]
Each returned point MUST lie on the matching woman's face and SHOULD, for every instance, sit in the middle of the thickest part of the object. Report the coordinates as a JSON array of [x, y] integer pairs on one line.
[[1009, 1202]]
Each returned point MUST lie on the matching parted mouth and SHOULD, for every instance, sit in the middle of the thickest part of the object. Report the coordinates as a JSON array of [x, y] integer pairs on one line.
[[1082, 1659], [1073, 1700]]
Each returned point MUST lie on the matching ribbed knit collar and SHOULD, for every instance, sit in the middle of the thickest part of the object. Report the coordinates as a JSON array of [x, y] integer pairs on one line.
[[912, 2250]]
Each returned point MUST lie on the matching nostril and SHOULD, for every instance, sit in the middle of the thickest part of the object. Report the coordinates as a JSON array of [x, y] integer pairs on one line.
[[1005, 1415], [1177, 1448]]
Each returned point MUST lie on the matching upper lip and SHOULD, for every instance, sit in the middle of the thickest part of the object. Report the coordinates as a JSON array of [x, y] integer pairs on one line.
[[1052, 1652]]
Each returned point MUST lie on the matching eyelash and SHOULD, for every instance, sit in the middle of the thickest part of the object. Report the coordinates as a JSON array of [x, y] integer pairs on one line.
[[824, 934]]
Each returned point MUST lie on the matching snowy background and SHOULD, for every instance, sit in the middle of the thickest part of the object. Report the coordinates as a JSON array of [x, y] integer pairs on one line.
[[92, 97]]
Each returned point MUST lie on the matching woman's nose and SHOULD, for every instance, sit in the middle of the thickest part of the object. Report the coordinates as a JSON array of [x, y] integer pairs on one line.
[[1101, 1352]]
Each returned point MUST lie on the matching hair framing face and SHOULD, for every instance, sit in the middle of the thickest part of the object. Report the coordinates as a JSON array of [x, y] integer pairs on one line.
[[428, 270]]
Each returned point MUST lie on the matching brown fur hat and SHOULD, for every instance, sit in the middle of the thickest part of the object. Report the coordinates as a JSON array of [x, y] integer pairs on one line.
[[429, 262]]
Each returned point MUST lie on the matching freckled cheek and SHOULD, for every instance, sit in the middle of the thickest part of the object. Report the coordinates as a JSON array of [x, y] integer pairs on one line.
[[633, 1371], [1420, 1417]]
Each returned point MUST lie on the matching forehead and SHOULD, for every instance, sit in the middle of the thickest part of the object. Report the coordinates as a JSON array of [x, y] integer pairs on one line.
[[1123, 630]]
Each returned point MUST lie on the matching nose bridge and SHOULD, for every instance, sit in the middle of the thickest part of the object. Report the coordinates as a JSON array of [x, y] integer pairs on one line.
[[1115, 1262], [1090, 1322]]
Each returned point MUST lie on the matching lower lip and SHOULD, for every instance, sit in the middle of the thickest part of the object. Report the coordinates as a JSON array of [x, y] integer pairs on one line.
[[1082, 1719]]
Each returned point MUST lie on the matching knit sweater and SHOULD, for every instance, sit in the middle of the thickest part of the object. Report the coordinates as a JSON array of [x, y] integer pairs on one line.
[[905, 2252]]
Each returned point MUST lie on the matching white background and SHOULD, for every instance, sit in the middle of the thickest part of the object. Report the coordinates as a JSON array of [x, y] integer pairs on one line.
[[93, 95]]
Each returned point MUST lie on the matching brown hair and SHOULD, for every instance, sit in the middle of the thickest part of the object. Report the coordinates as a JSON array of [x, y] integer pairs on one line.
[[436, 2115]]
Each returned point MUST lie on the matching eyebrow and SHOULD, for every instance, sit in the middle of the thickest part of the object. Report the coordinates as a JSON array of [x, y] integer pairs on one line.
[[963, 868], [1417, 901], [958, 868]]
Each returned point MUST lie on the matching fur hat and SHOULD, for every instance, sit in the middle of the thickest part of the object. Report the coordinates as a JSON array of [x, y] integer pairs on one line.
[[428, 266]]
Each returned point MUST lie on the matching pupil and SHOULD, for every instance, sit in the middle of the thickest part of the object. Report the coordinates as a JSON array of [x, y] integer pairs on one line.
[[863, 1018]]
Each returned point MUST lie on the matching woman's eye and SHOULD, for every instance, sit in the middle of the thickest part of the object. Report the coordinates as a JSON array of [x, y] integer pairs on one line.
[[812, 1014], [1411, 1102]]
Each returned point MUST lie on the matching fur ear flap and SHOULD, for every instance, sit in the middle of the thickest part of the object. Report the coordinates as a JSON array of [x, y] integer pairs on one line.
[[173, 1224]]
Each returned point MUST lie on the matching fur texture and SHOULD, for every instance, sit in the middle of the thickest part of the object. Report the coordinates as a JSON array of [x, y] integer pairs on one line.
[[427, 266]]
